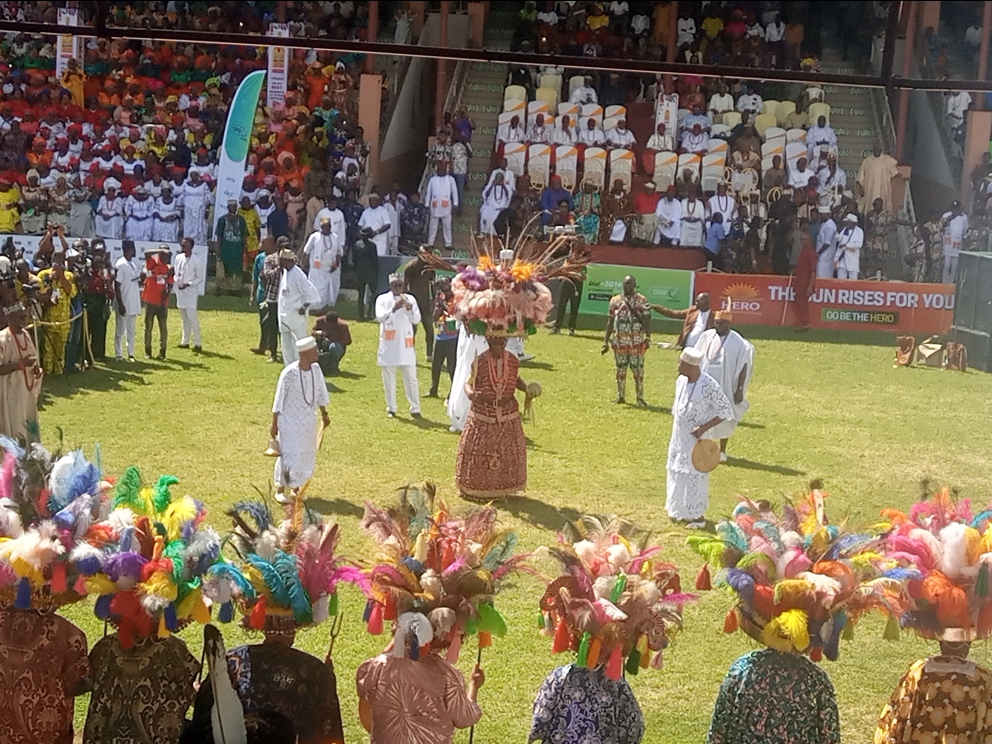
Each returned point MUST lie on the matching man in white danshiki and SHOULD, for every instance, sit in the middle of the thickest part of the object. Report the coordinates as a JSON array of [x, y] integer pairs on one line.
[[469, 348], [621, 137], [669, 214], [955, 228], [826, 245], [188, 275], [818, 138], [723, 203], [693, 214], [166, 216], [398, 316], [699, 406], [324, 252], [849, 243], [139, 210], [109, 217], [300, 393], [495, 199], [196, 198], [296, 296], [729, 359], [441, 197]]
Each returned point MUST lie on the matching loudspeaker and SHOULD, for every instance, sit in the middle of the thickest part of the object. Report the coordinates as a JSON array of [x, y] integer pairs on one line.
[[973, 308]]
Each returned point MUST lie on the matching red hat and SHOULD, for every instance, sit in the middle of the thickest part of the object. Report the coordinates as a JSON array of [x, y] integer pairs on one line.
[[202, 151]]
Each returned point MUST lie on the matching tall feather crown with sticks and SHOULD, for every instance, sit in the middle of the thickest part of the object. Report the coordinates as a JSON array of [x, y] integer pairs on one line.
[[48, 504], [292, 567], [146, 561], [615, 603], [506, 293], [944, 550], [436, 574], [800, 582]]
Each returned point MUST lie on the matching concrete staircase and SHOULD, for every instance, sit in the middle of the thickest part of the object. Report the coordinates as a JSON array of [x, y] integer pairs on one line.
[[851, 117]]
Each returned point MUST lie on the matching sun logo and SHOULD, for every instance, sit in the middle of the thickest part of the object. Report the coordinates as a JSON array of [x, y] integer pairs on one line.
[[742, 298]]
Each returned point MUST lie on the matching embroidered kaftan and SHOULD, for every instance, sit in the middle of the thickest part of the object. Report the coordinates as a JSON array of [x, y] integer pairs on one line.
[[299, 395]]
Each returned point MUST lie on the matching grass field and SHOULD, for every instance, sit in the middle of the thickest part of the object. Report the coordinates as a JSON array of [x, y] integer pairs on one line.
[[829, 406]]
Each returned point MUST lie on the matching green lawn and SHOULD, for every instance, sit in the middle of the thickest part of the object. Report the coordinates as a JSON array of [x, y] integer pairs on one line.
[[829, 406]]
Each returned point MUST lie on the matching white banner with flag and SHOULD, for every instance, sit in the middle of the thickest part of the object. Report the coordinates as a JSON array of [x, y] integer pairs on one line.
[[275, 90], [68, 46], [237, 135]]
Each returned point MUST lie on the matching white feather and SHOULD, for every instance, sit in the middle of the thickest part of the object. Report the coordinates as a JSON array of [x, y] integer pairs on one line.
[[618, 555], [827, 588], [954, 557], [204, 541], [120, 519], [10, 520], [321, 609], [267, 545], [603, 586], [227, 715], [791, 539]]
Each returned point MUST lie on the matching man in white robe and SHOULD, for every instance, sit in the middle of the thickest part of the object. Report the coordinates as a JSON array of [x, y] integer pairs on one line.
[[722, 203], [495, 199], [621, 137], [398, 315], [470, 346], [591, 135], [826, 248], [441, 197], [300, 393], [875, 180], [376, 219], [109, 216], [188, 275], [849, 243], [511, 131], [166, 216], [324, 253], [955, 228], [729, 359], [196, 199], [584, 93], [699, 406], [669, 214], [20, 378], [820, 137], [296, 296], [509, 177], [127, 274], [139, 210], [693, 216]]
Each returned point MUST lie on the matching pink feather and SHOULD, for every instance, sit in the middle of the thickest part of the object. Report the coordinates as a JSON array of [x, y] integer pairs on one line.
[[516, 563], [921, 554], [350, 575], [379, 525], [681, 598], [7, 476], [457, 565], [797, 564], [640, 558]]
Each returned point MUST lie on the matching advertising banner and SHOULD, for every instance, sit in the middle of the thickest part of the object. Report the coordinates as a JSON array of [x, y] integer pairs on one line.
[[899, 307], [669, 287], [237, 133], [68, 46], [275, 90]]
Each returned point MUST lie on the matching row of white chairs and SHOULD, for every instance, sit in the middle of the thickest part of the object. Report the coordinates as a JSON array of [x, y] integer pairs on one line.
[[529, 111], [577, 125], [535, 160], [549, 90]]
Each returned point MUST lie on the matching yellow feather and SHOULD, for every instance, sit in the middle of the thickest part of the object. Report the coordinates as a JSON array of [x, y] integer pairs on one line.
[[160, 585], [177, 514], [255, 577], [974, 543], [186, 607], [789, 591], [788, 631], [100, 584], [146, 497], [987, 540]]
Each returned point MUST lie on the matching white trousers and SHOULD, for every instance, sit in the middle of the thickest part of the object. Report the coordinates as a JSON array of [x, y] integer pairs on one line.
[[328, 285], [950, 273], [410, 386], [843, 273], [191, 325], [445, 226], [291, 330], [124, 325]]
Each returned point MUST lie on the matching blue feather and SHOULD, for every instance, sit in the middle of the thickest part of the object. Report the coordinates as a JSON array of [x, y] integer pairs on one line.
[[741, 582], [229, 572], [280, 593], [258, 512], [87, 480], [902, 574], [732, 534], [847, 546], [987, 514], [124, 540], [415, 566], [12, 447], [831, 647], [771, 532], [298, 602]]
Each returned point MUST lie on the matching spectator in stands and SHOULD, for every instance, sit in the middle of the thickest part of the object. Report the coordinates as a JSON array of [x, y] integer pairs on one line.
[[643, 223], [685, 29], [697, 117], [109, 211], [743, 161], [800, 175], [831, 181], [660, 141], [621, 137], [798, 119], [774, 37], [592, 134], [875, 179], [850, 240], [745, 134], [440, 151], [616, 214], [538, 133], [509, 132], [819, 138], [394, 203], [564, 133], [613, 92], [794, 34], [955, 226], [461, 153], [723, 204], [587, 206], [693, 221], [584, 93], [495, 199], [552, 196], [957, 103], [687, 181], [748, 101], [713, 242], [668, 219], [774, 177], [413, 222], [720, 103], [509, 177], [695, 140]]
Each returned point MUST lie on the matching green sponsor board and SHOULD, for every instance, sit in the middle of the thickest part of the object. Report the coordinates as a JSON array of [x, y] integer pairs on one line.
[[872, 317], [669, 287]]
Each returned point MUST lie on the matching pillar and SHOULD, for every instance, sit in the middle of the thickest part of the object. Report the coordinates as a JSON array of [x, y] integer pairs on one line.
[[983, 50], [373, 36], [902, 117], [419, 10], [929, 15], [369, 112], [979, 132], [477, 24], [673, 36], [442, 66], [281, 11]]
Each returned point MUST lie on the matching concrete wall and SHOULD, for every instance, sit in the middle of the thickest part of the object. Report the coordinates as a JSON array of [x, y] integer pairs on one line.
[[933, 183]]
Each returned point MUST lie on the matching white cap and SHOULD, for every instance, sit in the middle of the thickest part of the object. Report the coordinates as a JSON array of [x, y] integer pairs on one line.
[[850, 217], [691, 356], [306, 343]]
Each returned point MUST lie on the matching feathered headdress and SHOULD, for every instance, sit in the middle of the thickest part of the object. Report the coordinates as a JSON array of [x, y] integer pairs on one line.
[[47, 506], [434, 564], [800, 581], [615, 602], [146, 561], [292, 566], [506, 293], [945, 551]]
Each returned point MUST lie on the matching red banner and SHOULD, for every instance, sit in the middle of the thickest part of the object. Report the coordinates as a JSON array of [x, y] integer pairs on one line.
[[762, 299]]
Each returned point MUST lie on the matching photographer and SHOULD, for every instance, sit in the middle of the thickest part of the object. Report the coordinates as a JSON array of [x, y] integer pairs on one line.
[[58, 288], [98, 297]]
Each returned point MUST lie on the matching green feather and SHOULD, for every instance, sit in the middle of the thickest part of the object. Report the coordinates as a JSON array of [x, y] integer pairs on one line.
[[161, 497], [174, 551], [128, 491], [500, 552], [285, 565], [709, 547], [490, 621]]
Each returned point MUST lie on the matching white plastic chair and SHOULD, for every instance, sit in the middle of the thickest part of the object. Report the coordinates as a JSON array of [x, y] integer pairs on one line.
[[731, 119], [770, 107], [570, 110], [794, 151], [719, 131], [816, 110], [539, 165], [537, 107], [622, 167], [593, 110], [664, 169], [576, 81], [514, 93], [718, 147], [712, 175], [689, 160], [795, 135], [764, 122], [784, 109], [595, 166], [567, 165], [516, 157], [553, 82], [513, 106], [548, 96], [616, 112], [814, 94], [774, 133]]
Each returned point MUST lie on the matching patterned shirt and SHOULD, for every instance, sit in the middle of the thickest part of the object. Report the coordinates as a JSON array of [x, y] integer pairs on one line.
[[576, 705], [413, 223], [940, 699], [775, 698], [631, 322]]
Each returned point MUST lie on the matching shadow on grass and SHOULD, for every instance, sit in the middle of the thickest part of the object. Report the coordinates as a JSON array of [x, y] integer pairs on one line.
[[532, 364], [212, 355], [539, 514], [100, 379], [750, 425], [346, 375], [421, 423], [340, 507], [738, 462]]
